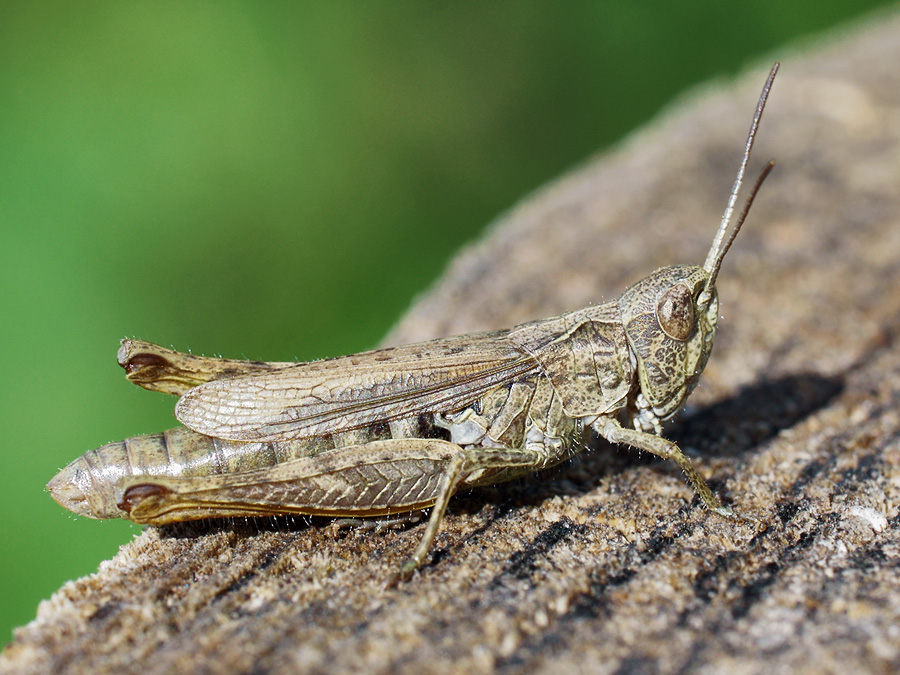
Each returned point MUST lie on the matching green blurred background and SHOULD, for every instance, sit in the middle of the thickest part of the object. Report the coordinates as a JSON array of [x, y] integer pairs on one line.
[[277, 181]]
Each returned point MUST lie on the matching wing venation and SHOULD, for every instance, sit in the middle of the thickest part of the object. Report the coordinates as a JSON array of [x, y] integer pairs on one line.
[[349, 392]]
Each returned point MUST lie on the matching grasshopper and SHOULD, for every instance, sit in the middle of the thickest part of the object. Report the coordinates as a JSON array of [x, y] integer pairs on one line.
[[394, 430]]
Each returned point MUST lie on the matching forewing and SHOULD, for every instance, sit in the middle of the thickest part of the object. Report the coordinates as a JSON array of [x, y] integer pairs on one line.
[[319, 397]]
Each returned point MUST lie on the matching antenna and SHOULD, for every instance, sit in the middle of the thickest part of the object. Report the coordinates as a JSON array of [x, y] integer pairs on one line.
[[717, 251]]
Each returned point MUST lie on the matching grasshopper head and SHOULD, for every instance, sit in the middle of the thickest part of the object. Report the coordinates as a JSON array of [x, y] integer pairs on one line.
[[670, 323], [670, 317]]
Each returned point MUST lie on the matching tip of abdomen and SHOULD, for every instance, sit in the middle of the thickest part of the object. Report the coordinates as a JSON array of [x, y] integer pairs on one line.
[[73, 489]]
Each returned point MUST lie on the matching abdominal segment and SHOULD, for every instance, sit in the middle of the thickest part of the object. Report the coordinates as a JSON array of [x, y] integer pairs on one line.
[[89, 486]]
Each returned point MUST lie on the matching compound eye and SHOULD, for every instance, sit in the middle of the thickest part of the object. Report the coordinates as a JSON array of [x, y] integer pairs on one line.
[[675, 312]]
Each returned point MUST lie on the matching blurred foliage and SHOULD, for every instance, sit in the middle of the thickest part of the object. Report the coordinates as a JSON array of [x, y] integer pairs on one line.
[[277, 181]]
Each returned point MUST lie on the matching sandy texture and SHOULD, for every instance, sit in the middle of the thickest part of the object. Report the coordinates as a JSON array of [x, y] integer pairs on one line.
[[610, 564]]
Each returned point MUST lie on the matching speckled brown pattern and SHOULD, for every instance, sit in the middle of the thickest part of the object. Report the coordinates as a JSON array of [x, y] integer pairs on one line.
[[608, 565]]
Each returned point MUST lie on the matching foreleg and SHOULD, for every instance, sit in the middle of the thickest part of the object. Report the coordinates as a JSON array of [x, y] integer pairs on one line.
[[616, 433]]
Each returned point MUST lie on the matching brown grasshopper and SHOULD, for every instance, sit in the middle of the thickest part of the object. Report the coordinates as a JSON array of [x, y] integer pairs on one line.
[[400, 429]]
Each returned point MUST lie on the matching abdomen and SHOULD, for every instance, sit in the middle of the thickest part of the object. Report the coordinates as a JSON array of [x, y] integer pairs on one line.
[[87, 486]]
